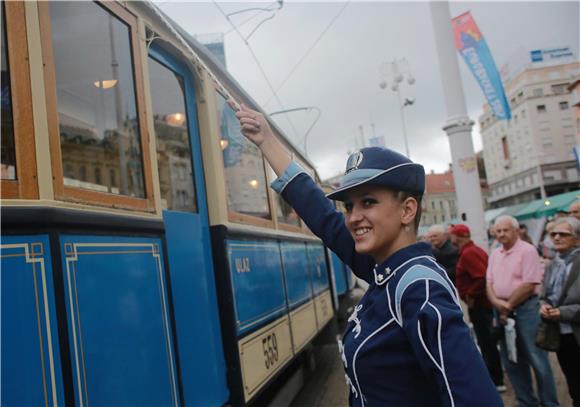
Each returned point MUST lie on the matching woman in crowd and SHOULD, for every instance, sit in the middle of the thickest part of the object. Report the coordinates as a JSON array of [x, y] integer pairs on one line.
[[406, 343], [561, 299]]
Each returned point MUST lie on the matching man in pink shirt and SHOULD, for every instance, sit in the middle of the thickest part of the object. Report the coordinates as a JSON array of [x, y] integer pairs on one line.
[[514, 274]]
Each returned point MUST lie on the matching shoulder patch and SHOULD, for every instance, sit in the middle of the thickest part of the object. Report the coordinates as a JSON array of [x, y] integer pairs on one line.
[[414, 274]]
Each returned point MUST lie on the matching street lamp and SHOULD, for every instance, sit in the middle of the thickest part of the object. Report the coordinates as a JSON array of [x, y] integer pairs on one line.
[[398, 70], [308, 109]]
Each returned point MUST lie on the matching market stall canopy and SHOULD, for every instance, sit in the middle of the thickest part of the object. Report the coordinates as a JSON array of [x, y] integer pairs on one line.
[[557, 203], [541, 208], [514, 209]]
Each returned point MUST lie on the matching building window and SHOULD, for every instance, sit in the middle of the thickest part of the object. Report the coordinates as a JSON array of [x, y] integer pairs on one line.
[[553, 175], [537, 92], [82, 173], [559, 89], [241, 178], [505, 148], [98, 108], [98, 176], [564, 105], [547, 141], [541, 108], [176, 180], [69, 170], [112, 178]]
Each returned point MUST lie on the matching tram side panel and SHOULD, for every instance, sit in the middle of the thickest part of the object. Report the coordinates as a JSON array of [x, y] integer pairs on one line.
[[255, 323], [299, 293], [120, 335], [320, 284], [30, 347]]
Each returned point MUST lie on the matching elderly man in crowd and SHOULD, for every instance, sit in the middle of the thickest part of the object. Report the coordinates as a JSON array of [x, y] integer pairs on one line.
[[561, 299], [445, 253], [514, 274], [470, 282]]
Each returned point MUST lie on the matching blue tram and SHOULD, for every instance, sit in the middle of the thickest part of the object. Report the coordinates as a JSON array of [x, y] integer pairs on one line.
[[144, 259]]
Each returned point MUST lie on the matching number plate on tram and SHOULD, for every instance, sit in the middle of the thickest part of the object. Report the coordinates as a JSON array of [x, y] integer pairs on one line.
[[263, 353]]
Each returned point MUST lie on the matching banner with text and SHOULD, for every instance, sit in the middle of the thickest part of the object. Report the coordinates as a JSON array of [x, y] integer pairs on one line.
[[472, 46]]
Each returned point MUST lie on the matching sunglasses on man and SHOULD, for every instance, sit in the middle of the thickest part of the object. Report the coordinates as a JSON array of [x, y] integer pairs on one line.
[[562, 234]]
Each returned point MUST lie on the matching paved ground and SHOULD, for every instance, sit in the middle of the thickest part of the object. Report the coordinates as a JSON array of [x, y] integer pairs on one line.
[[326, 387]]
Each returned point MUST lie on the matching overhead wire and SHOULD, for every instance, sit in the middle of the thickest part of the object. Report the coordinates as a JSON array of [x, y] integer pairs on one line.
[[295, 67], [255, 57]]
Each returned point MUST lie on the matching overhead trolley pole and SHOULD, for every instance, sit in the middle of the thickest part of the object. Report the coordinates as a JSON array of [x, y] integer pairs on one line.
[[458, 127]]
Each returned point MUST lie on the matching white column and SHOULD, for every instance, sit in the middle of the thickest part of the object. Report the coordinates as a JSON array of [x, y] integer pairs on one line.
[[458, 127]]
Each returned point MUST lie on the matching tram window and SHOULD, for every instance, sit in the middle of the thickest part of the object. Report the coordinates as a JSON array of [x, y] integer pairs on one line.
[[176, 179], [8, 152], [284, 212], [96, 97], [244, 167]]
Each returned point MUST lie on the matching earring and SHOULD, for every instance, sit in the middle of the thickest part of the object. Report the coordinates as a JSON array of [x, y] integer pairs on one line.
[[407, 228]]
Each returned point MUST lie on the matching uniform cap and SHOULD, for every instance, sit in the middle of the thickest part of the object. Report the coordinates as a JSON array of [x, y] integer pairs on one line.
[[380, 167], [460, 230]]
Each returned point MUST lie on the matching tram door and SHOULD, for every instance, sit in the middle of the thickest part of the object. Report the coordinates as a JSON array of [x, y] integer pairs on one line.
[[185, 216]]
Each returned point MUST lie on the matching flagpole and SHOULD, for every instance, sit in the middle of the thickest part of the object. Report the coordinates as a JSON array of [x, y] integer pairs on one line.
[[458, 128]]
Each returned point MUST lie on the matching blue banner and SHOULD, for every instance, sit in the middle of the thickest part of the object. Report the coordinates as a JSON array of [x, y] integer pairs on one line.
[[473, 48]]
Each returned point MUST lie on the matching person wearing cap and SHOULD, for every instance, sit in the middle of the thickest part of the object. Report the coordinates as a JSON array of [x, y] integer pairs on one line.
[[470, 282], [406, 343]]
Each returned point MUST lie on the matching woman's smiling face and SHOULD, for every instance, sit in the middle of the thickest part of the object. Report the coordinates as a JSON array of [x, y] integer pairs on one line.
[[373, 217]]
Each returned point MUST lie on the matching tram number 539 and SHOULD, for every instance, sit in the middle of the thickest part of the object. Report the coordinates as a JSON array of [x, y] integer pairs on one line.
[[270, 349]]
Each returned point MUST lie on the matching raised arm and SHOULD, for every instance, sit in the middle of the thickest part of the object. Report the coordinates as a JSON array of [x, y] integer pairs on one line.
[[304, 195]]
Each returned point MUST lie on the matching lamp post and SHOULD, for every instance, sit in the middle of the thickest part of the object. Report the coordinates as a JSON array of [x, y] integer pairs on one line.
[[304, 108], [398, 70]]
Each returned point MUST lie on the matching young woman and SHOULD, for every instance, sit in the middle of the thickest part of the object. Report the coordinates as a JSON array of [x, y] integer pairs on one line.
[[406, 343]]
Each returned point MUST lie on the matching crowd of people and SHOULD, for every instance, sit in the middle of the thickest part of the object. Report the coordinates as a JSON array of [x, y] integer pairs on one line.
[[525, 298]]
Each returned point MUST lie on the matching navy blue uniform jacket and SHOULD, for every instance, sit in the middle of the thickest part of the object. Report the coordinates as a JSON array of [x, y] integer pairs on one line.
[[406, 343]]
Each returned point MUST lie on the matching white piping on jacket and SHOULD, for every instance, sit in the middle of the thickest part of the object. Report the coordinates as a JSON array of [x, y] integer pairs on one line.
[[362, 399], [441, 366]]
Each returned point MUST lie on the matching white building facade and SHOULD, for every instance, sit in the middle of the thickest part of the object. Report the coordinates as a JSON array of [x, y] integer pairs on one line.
[[531, 155]]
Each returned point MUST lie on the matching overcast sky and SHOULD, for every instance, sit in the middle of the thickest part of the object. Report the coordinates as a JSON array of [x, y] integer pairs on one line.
[[341, 74]]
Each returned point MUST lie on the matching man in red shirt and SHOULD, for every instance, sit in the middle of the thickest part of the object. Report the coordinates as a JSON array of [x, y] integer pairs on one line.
[[470, 281]]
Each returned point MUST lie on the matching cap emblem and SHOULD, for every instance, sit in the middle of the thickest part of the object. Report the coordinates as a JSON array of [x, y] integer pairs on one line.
[[353, 161]]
